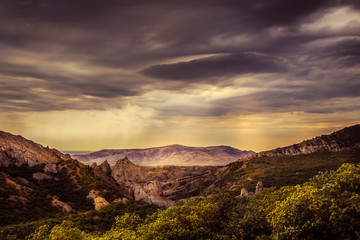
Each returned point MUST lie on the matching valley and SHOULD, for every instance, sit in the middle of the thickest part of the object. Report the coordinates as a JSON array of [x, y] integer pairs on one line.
[[41, 186]]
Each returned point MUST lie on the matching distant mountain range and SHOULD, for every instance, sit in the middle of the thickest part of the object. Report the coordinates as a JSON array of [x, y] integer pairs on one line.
[[177, 155]]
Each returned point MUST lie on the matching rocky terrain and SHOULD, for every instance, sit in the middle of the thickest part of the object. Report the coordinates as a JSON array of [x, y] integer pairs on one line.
[[18, 150], [346, 138], [36, 178], [36, 181], [145, 183], [303, 159], [177, 155]]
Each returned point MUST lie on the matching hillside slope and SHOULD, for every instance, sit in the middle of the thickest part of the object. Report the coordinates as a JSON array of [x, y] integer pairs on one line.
[[289, 165], [18, 151], [177, 155], [37, 182]]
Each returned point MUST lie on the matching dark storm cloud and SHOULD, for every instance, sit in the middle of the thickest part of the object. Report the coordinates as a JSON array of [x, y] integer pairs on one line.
[[104, 38], [317, 98], [229, 65], [345, 53]]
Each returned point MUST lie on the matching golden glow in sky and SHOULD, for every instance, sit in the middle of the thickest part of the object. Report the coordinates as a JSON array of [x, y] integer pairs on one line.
[[88, 75]]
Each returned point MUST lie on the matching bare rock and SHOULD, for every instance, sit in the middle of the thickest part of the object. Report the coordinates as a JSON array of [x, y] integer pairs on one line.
[[121, 200], [151, 193], [92, 194], [100, 202], [59, 204], [19, 151], [259, 187], [105, 167], [50, 168], [40, 176], [339, 140], [23, 180], [94, 166], [244, 192]]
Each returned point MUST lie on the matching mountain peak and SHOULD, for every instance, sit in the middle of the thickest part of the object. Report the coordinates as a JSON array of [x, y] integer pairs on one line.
[[15, 149], [123, 161], [105, 167]]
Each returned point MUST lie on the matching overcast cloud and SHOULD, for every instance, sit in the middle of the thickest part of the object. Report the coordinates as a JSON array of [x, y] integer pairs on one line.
[[261, 56]]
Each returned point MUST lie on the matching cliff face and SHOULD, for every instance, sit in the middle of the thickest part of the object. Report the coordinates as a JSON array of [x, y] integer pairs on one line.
[[18, 150], [146, 184], [169, 155], [346, 138]]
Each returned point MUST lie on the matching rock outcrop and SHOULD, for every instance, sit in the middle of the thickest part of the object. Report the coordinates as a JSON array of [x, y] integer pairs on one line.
[[50, 168], [259, 187], [258, 190], [55, 201], [92, 194], [151, 192], [244, 192], [346, 138], [40, 176], [145, 183], [105, 167], [100, 202], [137, 183]]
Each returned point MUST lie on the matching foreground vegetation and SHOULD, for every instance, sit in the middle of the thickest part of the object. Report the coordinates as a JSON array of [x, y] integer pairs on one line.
[[325, 207]]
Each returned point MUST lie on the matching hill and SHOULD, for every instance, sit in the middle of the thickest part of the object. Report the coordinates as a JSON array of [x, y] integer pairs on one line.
[[37, 181], [40, 183], [289, 165], [177, 155]]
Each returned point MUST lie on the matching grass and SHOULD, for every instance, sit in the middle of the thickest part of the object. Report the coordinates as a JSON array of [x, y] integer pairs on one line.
[[277, 171]]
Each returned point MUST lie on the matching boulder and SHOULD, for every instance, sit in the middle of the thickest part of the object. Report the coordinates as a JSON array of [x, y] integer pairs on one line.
[[92, 194], [40, 176], [244, 192], [100, 202], [259, 187], [59, 204], [50, 168]]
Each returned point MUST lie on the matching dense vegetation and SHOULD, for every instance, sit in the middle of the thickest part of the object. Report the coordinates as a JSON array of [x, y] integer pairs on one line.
[[31, 197], [325, 207], [95, 222]]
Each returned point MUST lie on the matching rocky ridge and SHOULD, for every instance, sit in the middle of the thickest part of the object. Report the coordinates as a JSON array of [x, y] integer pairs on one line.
[[178, 155], [344, 138], [18, 150], [43, 180]]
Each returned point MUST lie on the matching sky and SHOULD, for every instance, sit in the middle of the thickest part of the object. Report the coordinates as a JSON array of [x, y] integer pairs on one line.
[[85, 75]]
